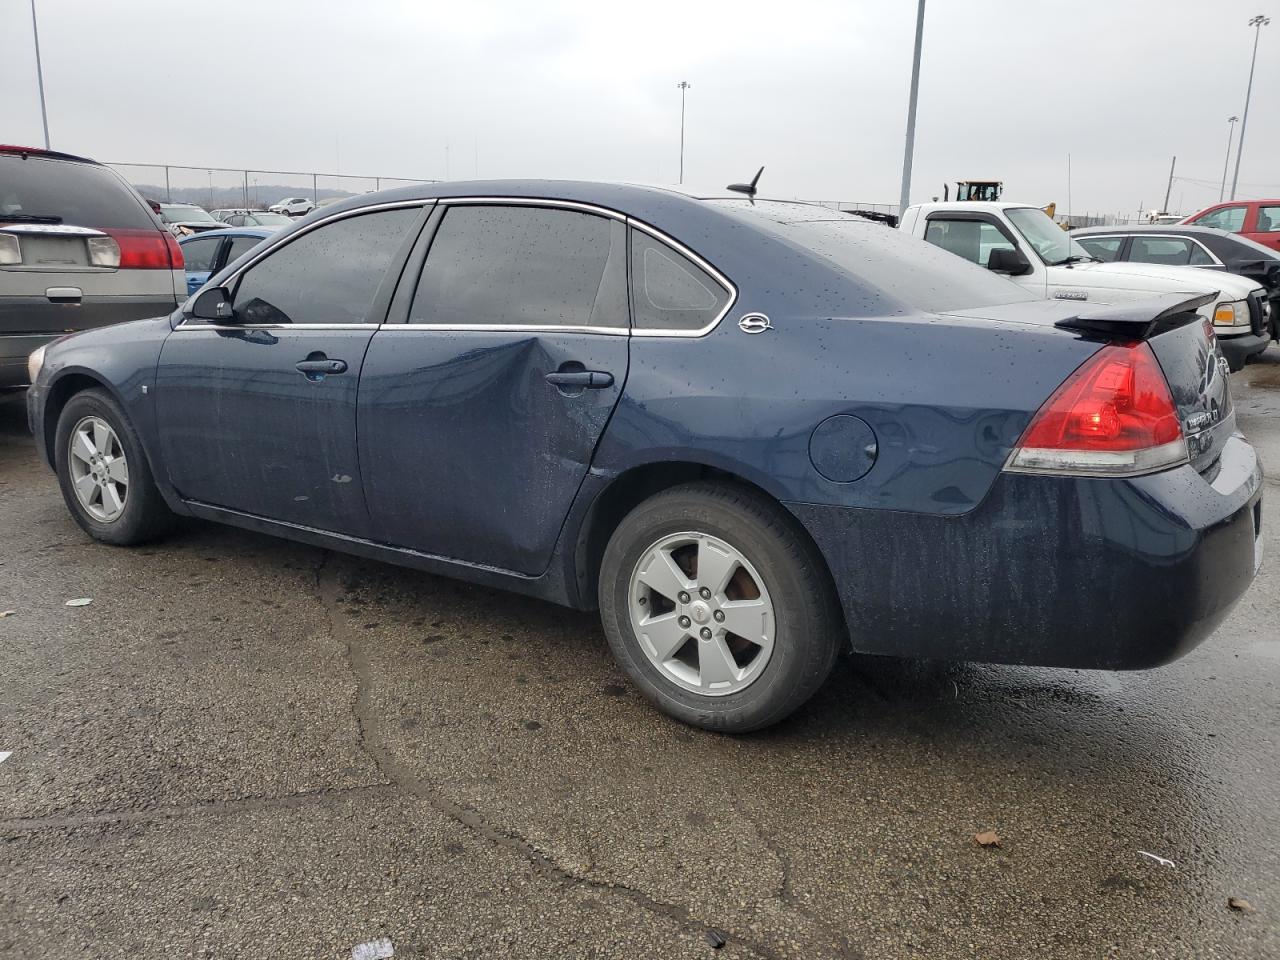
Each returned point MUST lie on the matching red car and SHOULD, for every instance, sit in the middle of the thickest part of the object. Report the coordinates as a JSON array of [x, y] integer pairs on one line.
[[1258, 220]]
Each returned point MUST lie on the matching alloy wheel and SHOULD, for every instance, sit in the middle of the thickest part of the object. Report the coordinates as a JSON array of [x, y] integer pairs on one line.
[[702, 613], [99, 469]]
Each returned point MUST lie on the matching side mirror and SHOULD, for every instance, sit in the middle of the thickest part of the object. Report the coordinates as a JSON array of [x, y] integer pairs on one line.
[[214, 304], [1008, 260]]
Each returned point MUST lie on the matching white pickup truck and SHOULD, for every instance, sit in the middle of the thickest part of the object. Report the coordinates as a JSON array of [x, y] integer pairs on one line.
[[1021, 241]]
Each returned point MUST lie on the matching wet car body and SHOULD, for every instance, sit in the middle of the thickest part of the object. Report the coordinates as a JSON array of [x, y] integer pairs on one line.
[[837, 381]]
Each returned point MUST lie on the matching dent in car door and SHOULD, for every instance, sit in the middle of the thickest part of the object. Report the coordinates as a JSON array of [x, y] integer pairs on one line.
[[260, 416], [479, 417]]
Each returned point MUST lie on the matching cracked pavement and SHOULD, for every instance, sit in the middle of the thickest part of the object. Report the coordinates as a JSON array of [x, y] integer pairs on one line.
[[247, 747]]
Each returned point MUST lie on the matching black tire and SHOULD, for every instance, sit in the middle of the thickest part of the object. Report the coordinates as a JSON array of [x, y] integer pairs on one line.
[[808, 624], [145, 515]]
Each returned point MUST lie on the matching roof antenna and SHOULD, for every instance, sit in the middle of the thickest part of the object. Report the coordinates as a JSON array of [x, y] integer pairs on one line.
[[748, 188]]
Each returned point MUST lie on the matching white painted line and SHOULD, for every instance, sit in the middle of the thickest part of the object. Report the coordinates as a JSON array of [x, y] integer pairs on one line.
[[5, 755], [380, 949]]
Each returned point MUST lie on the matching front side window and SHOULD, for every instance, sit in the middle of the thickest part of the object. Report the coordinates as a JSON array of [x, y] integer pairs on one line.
[[1106, 249], [972, 239], [328, 275], [523, 266], [670, 291], [1269, 220], [1230, 219], [199, 255]]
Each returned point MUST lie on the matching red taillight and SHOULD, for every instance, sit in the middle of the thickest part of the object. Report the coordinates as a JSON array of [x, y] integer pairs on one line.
[[1113, 416], [147, 249]]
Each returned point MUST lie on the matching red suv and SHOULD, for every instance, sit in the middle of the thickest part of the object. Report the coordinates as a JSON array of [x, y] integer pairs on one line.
[[1256, 219]]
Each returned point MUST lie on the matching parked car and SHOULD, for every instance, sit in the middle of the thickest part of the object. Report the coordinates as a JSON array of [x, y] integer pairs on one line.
[[209, 252], [184, 219], [1193, 246], [293, 206], [1023, 243], [750, 433], [259, 218], [223, 212], [79, 248], [1257, 220]]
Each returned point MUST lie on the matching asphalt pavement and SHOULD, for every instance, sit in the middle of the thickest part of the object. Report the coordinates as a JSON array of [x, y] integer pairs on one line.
[[247, 748]]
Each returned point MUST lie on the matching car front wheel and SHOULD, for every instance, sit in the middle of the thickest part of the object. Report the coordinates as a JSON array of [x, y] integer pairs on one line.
[[718, 607], [104, 475]]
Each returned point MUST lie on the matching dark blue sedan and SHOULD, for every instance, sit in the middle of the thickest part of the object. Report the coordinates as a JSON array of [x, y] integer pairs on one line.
[[751, 433]]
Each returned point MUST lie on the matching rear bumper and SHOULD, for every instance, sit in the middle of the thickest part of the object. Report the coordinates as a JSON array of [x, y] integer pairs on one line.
[[1238, 350], [30, 322], [1048, 571]]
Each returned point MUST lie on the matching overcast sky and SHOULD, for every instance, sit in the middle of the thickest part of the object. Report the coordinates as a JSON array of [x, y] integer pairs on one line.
[[815, 90]]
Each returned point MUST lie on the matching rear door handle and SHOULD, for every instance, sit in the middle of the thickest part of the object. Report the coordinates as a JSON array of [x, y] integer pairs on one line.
[[591, 379]]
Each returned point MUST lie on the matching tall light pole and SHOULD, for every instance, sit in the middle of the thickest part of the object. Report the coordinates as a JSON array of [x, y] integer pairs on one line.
[[35, 35], [905, 195], [1231, 128], [683, 85], [1257, 23]]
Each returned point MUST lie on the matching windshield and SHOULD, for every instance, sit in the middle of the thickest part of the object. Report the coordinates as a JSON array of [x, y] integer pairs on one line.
[[185, 215], [1051, 242], [881, 258]]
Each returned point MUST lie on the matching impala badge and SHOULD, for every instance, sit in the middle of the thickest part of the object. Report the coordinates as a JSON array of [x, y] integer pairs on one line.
[[754, 323]]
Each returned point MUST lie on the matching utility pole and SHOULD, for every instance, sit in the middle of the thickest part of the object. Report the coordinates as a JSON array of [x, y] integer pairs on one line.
[[683, 85], [1169, 189], [35, 35], [1257, 23], [905, 195], [1231, 127]]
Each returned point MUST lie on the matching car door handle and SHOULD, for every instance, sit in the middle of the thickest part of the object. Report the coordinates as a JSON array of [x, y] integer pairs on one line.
[[591, 379], [64, 294], [321, 366]]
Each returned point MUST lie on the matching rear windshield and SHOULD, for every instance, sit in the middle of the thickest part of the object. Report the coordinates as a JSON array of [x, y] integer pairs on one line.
[[78, 194], [909, 270], [185, 215]]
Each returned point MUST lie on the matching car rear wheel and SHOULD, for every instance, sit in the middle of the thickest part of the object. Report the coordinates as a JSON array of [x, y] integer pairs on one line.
[[718, 607], [105, 479]]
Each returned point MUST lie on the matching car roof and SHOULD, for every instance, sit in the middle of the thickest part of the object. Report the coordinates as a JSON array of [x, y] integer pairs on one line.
[[1185, 228], [260, 232], [48, 154]]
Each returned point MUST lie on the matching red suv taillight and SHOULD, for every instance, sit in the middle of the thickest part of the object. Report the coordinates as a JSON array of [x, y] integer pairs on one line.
[[147, 249], [1114, 416]]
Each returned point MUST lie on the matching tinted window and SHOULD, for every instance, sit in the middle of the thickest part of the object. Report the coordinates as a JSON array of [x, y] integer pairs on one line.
[[671, 291], [1268, 219], [240, 246], [526, 266], [1104, 248], [328, 275], [1230, 219], [80, 194], [200, 254], [1171, 251], [972, 239]]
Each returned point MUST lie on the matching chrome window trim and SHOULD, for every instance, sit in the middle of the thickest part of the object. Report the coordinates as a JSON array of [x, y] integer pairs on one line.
[[278, 326], [533, 202], [284, 242], [508, 328], [715, 274]]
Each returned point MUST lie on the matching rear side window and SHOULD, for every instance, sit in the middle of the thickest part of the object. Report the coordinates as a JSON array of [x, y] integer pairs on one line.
[[1268, 219], [77, 194], [328, 275], [1170, 251], [240, 246], [1106, 249], [669, 290], [199, 255], [523, 266]]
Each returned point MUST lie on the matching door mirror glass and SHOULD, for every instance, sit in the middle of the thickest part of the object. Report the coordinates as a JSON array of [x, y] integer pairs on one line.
[[214, 305], [1007, 260]]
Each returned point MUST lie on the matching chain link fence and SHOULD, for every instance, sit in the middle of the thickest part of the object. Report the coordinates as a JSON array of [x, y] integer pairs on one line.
[[222, 187]]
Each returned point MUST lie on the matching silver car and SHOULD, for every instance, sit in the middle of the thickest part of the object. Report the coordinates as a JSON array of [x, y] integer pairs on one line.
[[79, 248]]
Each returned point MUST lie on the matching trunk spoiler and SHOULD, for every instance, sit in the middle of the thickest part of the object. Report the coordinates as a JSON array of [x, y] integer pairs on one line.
[[1140, 320]]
